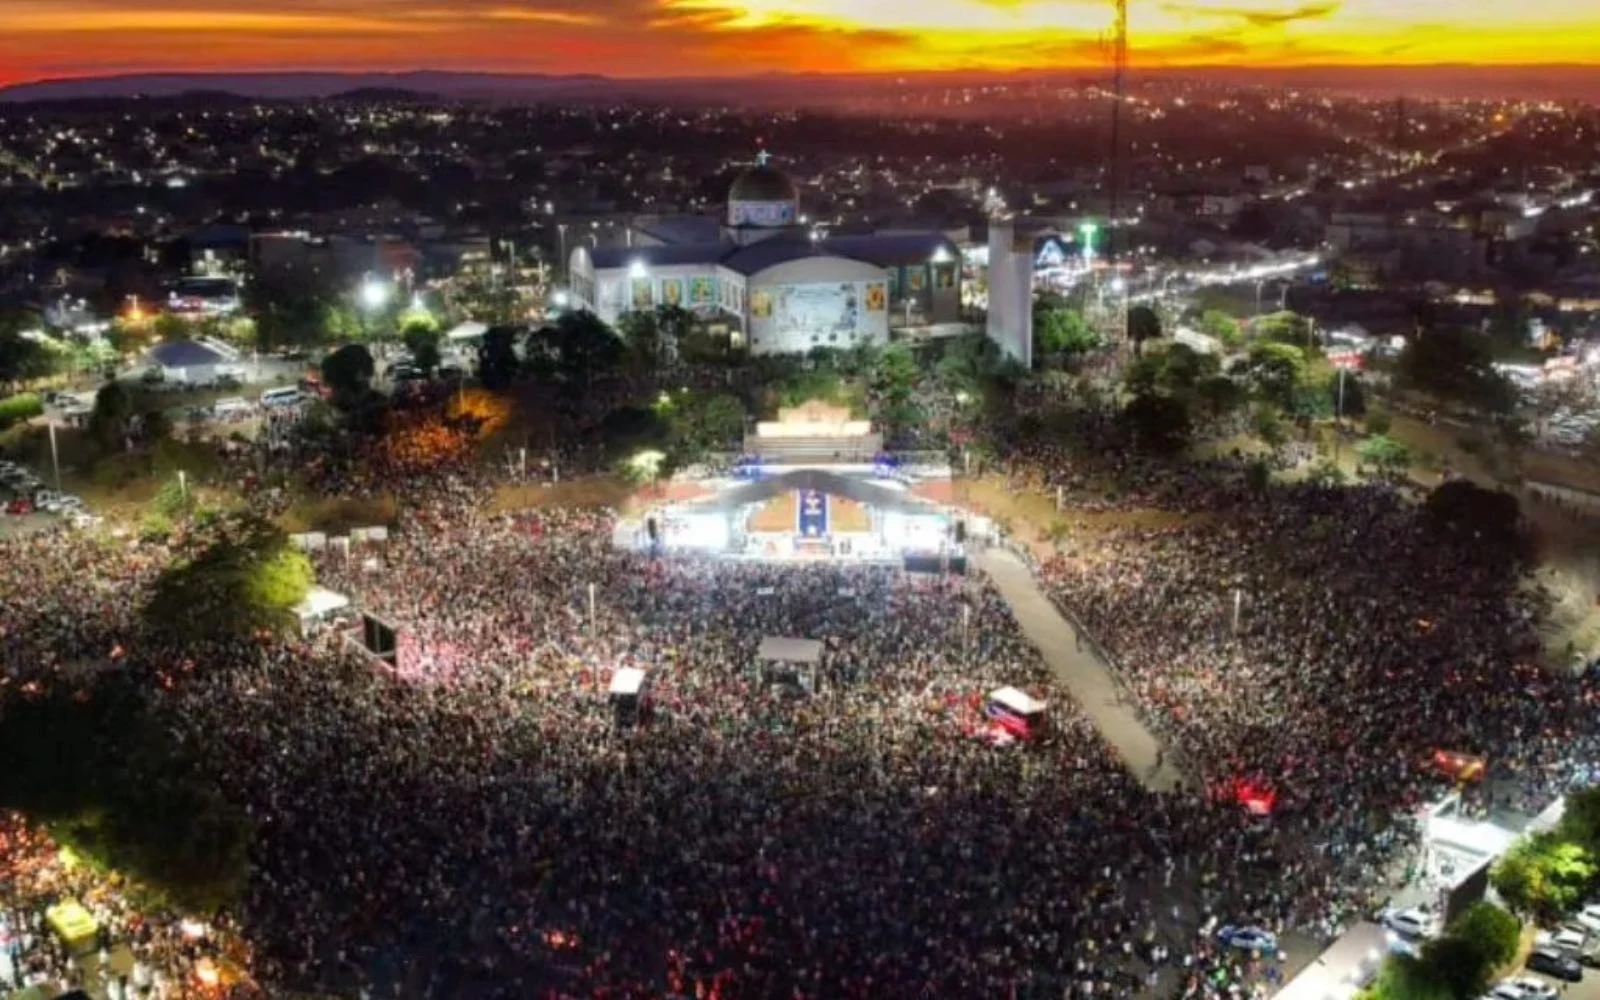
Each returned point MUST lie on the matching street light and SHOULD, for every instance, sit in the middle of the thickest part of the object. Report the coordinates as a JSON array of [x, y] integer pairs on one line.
[[374, 294]]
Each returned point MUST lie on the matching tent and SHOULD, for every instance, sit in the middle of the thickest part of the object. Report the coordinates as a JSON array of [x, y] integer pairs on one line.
[[73, 923], [470, 330], [320, 602], [790, 662]]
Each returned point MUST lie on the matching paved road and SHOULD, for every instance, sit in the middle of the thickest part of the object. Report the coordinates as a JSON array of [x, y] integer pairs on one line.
[[1078, 669]]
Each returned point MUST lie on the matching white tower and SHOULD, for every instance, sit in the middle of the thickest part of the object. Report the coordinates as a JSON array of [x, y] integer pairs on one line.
[[1010, 321]]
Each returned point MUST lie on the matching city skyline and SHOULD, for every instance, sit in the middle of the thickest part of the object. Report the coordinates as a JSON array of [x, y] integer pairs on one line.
[[696, 38]]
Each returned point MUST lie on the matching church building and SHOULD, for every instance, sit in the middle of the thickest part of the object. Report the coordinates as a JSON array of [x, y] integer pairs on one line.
[[775, 285]]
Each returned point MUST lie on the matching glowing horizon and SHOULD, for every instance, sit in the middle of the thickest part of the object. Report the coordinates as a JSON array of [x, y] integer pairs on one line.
[[666, 38]]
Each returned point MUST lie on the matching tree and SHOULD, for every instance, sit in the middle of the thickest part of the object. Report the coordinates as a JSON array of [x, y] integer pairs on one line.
[[236, 577], [1494, 934], [1221, 394], [642, 333], [497, 357], [422, 340], [1455, 366], [701, 423], [1459, 964], [1580, 823], [1543, 876], [99, 768], [1384, 453], [584, 348], [1273, 371], [1143, 325], [1158, 424], [21, 358], [1403, 977], [895, 376], [1059, 331], [113, 410], [348, 373], [1287, 328], [170, 326], [1182, 367], [1221, 327], [1268, 426]]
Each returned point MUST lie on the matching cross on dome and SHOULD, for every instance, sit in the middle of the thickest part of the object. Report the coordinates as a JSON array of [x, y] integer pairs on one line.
[[762, 156]]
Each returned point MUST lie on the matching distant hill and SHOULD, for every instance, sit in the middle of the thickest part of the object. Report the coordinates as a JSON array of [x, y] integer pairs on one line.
[[1565, 82], [295, 86]]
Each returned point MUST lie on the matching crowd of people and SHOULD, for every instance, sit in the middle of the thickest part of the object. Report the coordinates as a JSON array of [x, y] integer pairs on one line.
[[474, 820]]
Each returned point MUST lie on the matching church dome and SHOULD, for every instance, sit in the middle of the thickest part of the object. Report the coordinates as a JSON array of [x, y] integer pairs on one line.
[[763, 183]]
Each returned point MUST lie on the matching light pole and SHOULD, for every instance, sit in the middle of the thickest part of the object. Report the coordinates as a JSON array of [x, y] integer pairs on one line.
[[183, 486], [561, 232], [55, 456]]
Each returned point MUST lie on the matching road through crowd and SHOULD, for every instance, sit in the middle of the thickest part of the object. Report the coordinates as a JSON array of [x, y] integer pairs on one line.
[[474, 824]]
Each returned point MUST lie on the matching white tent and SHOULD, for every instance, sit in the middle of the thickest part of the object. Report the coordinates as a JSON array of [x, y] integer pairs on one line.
[[778, 649], [319, 603], [470, 330], [627, 681]]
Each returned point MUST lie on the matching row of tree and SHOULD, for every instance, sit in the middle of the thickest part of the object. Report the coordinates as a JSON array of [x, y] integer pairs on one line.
[[1458, 965], [1545, 875]]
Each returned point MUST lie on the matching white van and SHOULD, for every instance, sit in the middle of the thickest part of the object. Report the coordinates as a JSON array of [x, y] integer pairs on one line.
[[232, 405], [287, 396]]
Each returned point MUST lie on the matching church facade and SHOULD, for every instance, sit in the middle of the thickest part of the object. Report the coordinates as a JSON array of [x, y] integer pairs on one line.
[[762, 274]]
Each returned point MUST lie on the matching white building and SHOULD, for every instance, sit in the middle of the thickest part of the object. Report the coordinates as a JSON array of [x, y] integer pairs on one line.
[[778, 289]]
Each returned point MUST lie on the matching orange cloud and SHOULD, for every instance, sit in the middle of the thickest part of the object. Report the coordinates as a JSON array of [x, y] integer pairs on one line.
[[41, 38]]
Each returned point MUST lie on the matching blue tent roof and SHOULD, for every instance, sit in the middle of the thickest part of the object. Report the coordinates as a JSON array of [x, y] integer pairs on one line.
[[183, 354]]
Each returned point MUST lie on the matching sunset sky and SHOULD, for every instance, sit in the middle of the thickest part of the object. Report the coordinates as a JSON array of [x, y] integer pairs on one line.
[[55, 38]]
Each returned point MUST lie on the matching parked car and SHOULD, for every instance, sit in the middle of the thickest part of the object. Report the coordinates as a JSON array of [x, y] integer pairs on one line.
[[19, 505], [1589, 918], [1567, 940], [1553, 963], [1248, 938], [1527, 988], [1410, 922]]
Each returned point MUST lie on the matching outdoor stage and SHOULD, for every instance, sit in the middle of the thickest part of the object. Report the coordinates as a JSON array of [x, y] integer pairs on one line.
[[847, 513]]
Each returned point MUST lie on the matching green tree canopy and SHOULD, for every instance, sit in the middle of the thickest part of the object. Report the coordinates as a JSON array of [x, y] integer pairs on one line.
[[1580, 823], [113, 409], [1143, 325], [422, 340], [1402, 977], [1157, 424], [497, 357], [1059, 331], [1219, 325], [1455, 366], [348, 372], [1384, 453], [895, 377], [101, 770], [238, 575], [1543, 876], [702, 423], [1273, 371], [1286, 328]]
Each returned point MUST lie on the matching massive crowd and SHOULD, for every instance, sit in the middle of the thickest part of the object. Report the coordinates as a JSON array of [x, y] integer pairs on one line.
[[474, 822]]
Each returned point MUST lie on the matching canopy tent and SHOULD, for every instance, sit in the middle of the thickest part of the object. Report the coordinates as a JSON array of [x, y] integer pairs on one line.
[[779, 649], [789, 663], [319, 603], [470, 330], [627, 681], [73, 923]]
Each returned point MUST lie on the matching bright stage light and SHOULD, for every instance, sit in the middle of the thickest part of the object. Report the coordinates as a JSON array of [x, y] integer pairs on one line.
[[374, 294]]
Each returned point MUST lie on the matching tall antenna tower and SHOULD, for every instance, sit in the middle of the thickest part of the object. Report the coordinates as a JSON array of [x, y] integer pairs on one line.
[[1119, 85]]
